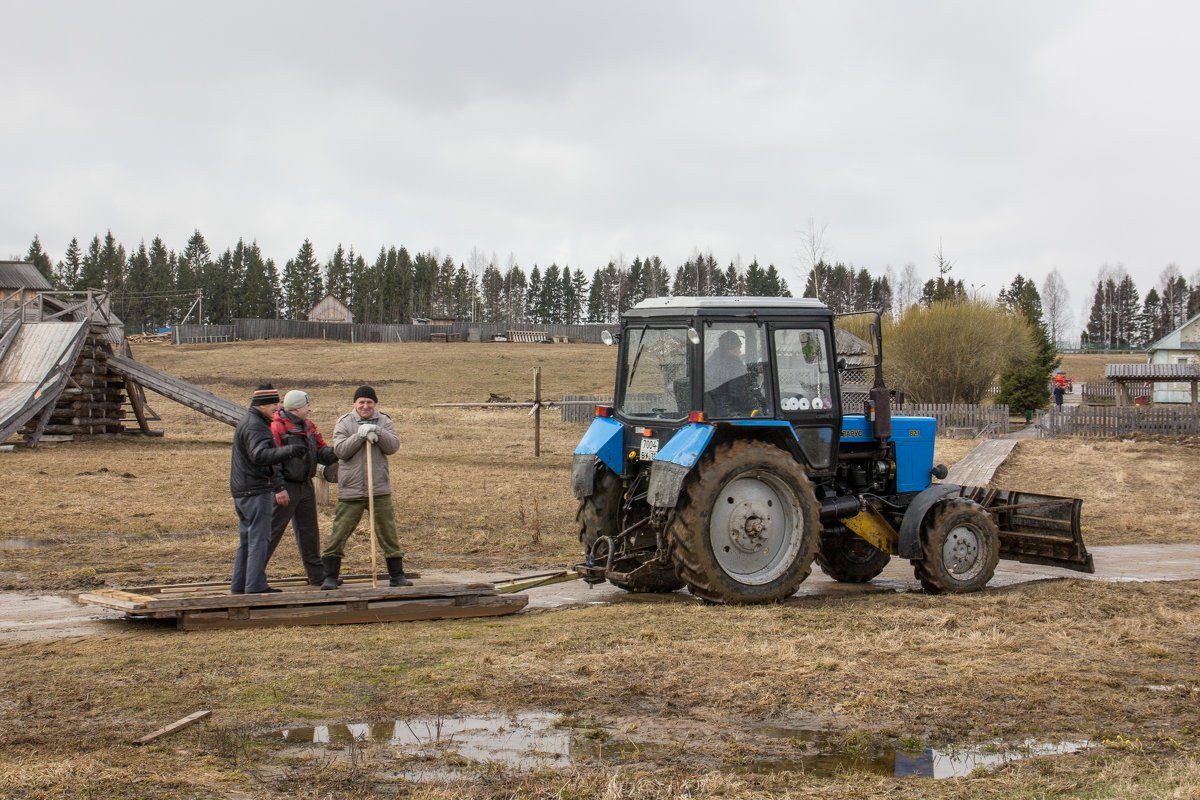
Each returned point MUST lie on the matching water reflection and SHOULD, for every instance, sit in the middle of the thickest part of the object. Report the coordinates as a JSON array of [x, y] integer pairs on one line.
[[536, 740]]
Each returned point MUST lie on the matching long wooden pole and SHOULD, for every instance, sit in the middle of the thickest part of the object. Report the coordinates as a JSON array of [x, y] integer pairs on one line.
[[537, 412], [371, 513]]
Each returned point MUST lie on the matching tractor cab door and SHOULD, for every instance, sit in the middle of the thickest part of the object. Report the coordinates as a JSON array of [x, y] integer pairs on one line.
[[807, 389], [737, 374]]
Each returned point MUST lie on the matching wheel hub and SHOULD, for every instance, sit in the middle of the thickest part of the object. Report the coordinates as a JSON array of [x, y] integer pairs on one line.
[[754, 528], [961, 550]]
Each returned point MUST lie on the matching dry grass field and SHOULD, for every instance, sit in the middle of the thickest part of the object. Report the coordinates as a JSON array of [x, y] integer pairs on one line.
[[660, 697]]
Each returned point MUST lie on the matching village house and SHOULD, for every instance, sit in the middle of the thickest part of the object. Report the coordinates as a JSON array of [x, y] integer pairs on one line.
[[1180, 346]]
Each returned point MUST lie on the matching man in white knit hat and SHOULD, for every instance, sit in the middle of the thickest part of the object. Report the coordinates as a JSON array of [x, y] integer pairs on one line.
[[291, 425]]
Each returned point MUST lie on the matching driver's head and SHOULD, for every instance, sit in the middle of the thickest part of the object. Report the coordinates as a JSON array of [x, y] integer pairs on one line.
[[730, 341]]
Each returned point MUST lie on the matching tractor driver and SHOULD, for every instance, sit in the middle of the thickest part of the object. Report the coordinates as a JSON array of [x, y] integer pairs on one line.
[[725, 384]]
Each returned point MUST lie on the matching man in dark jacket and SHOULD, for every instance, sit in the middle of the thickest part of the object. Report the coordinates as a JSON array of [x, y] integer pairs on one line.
[[256, 482], [292, 426]]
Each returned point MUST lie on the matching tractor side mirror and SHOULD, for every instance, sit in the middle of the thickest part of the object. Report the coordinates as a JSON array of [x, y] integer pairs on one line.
[[693, 336], [607, 338], [841, 364]]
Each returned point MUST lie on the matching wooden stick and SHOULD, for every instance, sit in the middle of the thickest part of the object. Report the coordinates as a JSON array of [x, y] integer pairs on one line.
[[190, 719], [371, 513]]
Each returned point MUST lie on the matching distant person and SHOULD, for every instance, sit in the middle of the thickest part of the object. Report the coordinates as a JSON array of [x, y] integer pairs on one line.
[[1059, 391], [256, 482], [291, 425], [364, 430]]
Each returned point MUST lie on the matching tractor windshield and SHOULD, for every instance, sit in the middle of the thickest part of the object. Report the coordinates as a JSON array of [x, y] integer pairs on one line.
[[656, 374]]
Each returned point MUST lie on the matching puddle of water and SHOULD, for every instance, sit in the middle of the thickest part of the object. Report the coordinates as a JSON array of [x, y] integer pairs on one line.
[[535, 740], [954, 762], [24, 543], [520, 741]]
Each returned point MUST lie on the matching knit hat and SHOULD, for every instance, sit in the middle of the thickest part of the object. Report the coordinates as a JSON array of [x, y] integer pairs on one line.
[[367, 392], [265, 395], [295, 399]]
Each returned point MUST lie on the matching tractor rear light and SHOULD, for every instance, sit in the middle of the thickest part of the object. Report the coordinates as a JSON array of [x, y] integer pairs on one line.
[[604, 411], [697, 416]]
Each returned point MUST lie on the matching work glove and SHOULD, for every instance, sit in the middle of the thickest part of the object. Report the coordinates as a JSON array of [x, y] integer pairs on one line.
[[295, 450], [373, 436], [365, 430]]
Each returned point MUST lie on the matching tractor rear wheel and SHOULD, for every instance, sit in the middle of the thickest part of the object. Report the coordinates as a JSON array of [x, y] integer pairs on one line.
[[746, 527], [960, 548], [847, 557], [601, 515]]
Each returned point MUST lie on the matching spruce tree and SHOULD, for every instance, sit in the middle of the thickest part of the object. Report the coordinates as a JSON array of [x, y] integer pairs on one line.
[[1025, 384], [40, 260], [68, 274]]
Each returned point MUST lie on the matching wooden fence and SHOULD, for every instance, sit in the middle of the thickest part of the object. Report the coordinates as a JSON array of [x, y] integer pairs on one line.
[[1098, 392], [250, 329], [1109, 421], [189, 334], [986, 420], [583, 413]]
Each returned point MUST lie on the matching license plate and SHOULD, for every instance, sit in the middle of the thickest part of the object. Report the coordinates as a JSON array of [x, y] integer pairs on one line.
[[649, 449]]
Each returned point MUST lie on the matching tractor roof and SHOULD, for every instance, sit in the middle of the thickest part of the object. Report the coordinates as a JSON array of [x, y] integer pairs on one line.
[[732, 306]]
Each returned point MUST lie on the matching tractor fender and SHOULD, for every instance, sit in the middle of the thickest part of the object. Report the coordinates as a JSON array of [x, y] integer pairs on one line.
[[674, 461], [910, 528], [602, 441]]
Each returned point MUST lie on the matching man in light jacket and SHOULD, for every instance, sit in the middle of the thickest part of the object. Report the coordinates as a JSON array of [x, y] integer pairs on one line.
[[364, 430]]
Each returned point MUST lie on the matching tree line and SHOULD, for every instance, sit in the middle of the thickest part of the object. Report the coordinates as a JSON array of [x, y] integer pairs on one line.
[[154, 285], [1120, 318]]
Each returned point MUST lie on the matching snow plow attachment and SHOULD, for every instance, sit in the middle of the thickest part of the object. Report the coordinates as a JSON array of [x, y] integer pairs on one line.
[[1036, 528]]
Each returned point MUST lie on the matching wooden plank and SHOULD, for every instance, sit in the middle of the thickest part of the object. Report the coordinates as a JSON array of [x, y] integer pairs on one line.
[[298, 596], [115, 599], [178, 390], [341, 613], [177, 725], [980, 465]]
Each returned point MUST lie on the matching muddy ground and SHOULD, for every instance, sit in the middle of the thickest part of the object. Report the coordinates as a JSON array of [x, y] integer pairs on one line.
[[652, 697]]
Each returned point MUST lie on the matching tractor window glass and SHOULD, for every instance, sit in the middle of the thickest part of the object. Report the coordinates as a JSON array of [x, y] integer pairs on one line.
[[656, 376], [803, 371], [735, 372]]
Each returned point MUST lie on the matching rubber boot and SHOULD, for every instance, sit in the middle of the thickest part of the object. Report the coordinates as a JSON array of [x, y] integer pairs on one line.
[[333, 566], [395, 568]]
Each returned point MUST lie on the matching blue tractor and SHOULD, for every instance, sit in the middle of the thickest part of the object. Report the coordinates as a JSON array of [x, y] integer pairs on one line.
[[726, 464]]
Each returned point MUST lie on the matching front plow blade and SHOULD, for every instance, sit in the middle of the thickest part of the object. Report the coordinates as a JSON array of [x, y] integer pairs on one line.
[[1036, 528]]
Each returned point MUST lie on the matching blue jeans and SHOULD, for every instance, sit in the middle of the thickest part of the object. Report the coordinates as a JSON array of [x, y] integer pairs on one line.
[[254, 542]]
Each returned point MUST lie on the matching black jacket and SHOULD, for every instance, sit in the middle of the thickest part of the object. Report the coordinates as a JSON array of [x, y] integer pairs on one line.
[[254, 466], [286, 429]]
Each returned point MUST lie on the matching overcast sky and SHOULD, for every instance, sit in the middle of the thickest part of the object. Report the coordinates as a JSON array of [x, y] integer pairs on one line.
[[1016, 136]]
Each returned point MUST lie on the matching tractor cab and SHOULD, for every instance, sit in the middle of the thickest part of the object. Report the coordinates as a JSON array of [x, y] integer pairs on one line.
[[745, 361]]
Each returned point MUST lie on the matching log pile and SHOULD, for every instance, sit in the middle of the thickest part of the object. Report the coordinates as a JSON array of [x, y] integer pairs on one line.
[[91, 406]]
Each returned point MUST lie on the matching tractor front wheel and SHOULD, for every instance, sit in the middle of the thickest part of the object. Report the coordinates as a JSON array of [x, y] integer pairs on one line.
[[960, 548], [847, 557], [746, 527]]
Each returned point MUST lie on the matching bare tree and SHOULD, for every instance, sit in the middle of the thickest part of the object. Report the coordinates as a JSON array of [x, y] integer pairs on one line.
[[1056, 309], [908, 290], [816, 247]]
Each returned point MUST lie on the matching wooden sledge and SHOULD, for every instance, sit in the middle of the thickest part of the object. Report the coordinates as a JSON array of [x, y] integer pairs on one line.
[[208, 606]]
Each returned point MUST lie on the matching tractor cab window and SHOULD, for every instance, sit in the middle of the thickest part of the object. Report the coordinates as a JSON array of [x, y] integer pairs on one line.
[[803, 365], [735, 370], [656, 374]]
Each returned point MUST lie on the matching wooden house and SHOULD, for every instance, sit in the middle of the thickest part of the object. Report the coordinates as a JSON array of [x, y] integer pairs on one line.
[[330, 309], [20, 282], [1180, 346]]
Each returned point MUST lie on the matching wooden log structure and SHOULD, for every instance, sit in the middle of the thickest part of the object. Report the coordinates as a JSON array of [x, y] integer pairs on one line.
[[91, 405]]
